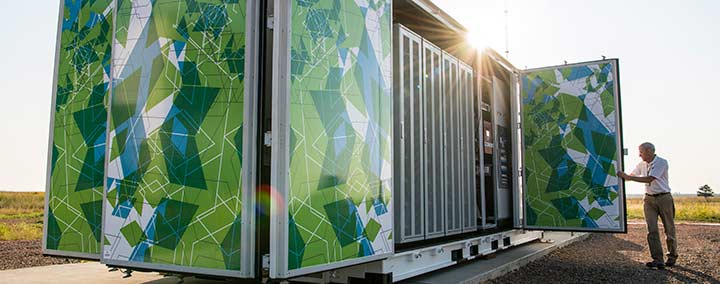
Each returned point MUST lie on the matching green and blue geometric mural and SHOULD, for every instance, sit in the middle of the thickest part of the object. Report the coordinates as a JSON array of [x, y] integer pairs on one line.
[[74, 191], [174, 194], [340, 195], [570, 132]]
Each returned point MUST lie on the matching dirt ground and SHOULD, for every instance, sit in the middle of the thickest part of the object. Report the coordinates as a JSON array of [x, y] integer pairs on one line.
[[620, 258], [25, 253], [19, 254]]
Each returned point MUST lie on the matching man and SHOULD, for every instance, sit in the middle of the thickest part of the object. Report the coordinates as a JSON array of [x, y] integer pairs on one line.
[[653, 172]]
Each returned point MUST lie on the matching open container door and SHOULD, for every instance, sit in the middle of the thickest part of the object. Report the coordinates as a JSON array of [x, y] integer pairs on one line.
[[76, 151], [572, 147], [331, 171], [179, 194]]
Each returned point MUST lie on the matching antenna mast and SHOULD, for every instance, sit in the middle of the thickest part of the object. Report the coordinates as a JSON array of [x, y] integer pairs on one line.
[[507, 41]]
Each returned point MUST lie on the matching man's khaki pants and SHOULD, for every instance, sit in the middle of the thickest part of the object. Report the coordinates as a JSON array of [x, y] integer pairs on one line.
[[663, 206]]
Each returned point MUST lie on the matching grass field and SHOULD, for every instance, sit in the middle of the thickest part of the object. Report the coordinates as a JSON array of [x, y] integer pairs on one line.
[[19, 203], [687, 208], [21, 213]]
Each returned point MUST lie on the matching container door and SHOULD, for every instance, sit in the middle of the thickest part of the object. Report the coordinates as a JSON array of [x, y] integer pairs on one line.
[[331, 171], [451, 143], [409, 158], [467, 183], [179, 192], [76, 152], [434, 191], [572, 141]]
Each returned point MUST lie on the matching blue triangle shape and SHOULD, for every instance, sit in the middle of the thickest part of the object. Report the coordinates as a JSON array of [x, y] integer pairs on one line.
[[179, 45]]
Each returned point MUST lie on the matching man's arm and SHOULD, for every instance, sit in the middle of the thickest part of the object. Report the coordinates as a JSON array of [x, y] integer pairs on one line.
[[625, 176]]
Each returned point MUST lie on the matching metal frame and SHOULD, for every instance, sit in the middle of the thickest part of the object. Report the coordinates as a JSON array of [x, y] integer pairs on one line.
[[517, 170], [619, 147], [398, 135], [247, 246], [434, 143], [416, 262], [282, 31], [250, 130], [107, 132], [48, 167], [280, 138]]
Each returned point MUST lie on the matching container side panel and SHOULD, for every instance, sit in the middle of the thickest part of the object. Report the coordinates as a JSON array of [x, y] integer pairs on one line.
[[174, 194], [571, 147], [340, 175], [77, 147]]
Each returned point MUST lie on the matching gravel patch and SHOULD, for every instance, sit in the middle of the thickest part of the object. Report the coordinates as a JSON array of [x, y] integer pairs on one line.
[[620, 258], [20, 254]]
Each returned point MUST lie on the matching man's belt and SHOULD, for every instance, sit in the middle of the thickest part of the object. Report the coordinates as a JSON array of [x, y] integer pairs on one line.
[[656, 194]]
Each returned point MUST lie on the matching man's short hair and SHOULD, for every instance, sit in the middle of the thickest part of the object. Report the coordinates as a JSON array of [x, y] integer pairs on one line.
[[648, 146]]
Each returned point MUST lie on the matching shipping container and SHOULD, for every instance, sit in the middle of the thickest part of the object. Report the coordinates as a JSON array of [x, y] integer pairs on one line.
[[325, 140]]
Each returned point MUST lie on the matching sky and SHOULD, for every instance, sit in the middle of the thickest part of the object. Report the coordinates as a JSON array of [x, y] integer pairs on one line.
[[669, 55]]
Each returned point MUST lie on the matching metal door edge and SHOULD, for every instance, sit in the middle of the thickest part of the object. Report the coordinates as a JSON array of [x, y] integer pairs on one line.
[[279, 168], [51, 129]]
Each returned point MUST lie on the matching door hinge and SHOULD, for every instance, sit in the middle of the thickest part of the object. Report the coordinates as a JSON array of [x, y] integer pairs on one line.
[[267, 139], [270, 23], [266, 262]]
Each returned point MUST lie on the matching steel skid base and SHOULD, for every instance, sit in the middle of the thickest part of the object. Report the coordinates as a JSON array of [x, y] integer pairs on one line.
[[412, 263]]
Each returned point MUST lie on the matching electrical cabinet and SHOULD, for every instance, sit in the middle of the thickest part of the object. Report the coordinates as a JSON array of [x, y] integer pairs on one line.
[[434, 159]]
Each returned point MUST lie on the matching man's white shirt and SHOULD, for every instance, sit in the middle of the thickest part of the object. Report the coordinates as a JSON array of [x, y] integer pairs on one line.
[[657, 168]]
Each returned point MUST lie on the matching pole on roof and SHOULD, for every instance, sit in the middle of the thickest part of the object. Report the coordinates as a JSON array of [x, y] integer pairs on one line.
[[507, 40]]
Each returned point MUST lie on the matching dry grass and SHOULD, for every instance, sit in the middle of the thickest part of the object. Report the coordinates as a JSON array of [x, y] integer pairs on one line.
[[21, 203], [687, 208], [29, 206], [20, 215], [20, 231]]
